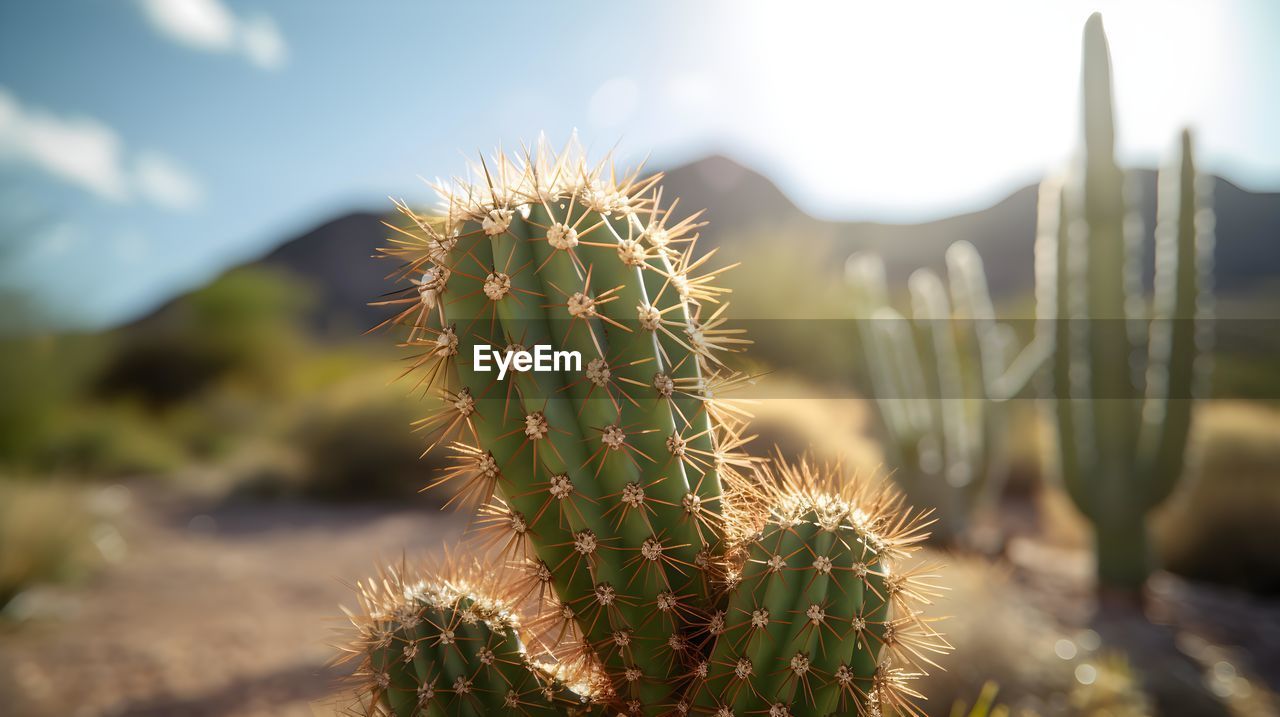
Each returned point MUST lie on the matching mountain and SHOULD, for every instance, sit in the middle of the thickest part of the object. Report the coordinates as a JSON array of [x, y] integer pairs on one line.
[[739, 202], [337, 258]]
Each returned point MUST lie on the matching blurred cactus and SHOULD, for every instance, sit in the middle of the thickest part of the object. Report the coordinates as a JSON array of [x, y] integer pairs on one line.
[[1122, 431], [939, 382], [616, 489]]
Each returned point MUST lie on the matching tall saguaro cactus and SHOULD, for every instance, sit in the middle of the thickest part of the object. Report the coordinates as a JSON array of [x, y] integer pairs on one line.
[[1122, 432], [615, 485]]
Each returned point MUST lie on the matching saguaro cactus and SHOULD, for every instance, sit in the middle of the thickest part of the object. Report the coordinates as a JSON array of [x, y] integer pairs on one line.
[[1122, 432], [939, 381], [606, 483]]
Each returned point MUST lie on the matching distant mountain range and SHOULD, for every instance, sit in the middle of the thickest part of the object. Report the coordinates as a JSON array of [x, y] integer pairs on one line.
[[335, 256]]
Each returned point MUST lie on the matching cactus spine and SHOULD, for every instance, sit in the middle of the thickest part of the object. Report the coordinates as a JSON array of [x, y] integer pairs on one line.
[[939, 381], [614, 488], [1121, 434]]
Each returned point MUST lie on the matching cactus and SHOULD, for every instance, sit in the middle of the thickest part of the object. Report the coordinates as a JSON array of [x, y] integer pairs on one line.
[[939, 382], [1121, 434], [450, 646], [817, 601], [615, 486]]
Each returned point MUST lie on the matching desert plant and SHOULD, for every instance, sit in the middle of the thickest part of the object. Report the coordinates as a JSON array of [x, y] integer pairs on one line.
[[44, 535], [1221, 525], [450, 646], [616, 486], [940, 381], [1121, 434], [817, 603], [984, 706]]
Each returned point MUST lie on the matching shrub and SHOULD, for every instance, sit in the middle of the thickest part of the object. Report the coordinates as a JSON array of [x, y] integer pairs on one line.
[[355, 442], [109, 441], [44, 536], [1222, 526]]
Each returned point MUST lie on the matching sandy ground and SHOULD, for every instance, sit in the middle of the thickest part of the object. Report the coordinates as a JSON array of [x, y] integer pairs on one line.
[[216, 610], [232, 609]]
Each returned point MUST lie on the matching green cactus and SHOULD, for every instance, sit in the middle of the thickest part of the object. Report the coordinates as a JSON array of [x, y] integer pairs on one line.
[[613, 486], [450, 646], [607, 480], [940, 381], [818, 602], [1122, 434]]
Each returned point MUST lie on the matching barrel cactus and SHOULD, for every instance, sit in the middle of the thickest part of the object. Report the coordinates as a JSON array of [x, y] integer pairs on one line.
[[610, 477]]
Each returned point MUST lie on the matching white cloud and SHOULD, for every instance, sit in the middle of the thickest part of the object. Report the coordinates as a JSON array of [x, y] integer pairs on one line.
[[78, 150], [203, 24], [262, 42], [210, 26], [88, 154], [162, 181]]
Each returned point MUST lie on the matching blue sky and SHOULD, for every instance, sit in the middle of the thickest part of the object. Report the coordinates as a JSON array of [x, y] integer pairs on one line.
[[146, 145]]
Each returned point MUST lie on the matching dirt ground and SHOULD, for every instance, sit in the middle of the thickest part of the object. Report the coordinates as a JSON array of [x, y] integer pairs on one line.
[[232, 609], [216, 610]]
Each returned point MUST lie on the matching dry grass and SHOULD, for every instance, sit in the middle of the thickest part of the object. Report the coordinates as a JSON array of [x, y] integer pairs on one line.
[[45, 535], [792, 414]]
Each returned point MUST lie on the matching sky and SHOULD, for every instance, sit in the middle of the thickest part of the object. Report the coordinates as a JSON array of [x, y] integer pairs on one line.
[[147, 145]]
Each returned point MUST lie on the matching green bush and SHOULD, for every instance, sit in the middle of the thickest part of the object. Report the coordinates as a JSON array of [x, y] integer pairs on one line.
[[355, 442], [41, 378], [110, 441], [245, 327]]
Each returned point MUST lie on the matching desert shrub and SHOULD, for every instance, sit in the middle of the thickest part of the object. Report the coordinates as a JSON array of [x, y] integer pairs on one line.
[[160, 370], [44, 535], [109, 441], [1222, 525], [245, 326], [789, 299], [41, 378], [355, 442], [48, 423]]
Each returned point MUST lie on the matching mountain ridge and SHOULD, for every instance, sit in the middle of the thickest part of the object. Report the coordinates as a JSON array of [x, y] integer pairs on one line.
[[335, 256]]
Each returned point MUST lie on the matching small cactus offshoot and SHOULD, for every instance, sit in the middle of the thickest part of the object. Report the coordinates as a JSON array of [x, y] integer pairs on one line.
[[820, 608], [615, 485], [450, 645]]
